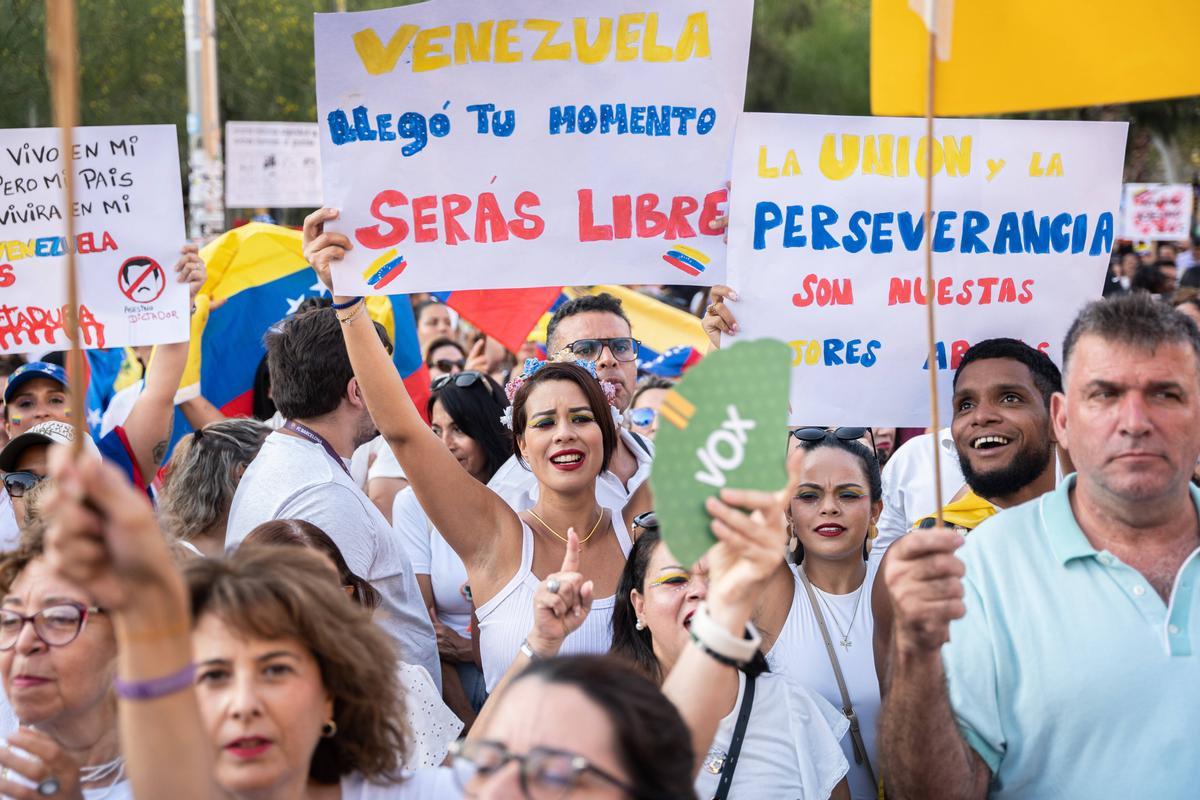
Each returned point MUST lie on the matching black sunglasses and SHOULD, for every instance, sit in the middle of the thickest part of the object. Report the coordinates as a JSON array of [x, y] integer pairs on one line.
[[845, 434], [647, 521], [448, 364], [461, 380], [18, 483]]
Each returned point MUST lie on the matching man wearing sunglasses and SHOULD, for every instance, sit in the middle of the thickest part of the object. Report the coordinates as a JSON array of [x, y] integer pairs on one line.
[[23, 462], [592, 328]]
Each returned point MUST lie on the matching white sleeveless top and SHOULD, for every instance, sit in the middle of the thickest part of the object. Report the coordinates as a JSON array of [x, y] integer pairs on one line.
[[800, 654], [506, 619]]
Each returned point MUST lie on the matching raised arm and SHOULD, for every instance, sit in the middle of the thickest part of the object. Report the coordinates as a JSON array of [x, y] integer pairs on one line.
[[104, 538], [482, 529], [148, 426], [924, 755]]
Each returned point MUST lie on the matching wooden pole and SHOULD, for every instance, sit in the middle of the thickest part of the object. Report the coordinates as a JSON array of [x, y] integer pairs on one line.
[[63, 58], [930, 293]]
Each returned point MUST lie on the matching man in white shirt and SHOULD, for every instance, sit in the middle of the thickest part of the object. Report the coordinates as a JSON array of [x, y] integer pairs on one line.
[[303, 472], [592, 328], [908, 490]]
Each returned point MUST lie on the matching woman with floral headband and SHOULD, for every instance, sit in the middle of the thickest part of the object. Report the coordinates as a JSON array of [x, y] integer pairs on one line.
[[563, 432]]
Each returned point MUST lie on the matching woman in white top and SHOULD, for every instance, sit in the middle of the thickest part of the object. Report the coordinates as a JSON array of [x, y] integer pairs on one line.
[[833, 515], [464, 412], [791, 736], [563, 430]]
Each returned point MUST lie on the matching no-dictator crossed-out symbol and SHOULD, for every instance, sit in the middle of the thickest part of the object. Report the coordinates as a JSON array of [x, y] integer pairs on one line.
[[141, 279]]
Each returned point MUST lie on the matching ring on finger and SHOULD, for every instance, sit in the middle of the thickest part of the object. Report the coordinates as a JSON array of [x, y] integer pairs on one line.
[[552, 585], [49, 787]]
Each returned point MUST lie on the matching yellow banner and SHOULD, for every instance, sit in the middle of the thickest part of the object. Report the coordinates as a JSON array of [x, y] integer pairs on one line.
[[1003, 56]]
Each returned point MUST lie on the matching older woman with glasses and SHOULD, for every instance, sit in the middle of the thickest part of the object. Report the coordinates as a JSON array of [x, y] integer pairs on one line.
[[57, 660]]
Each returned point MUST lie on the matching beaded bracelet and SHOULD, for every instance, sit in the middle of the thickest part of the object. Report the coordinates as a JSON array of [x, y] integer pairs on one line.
[[729, 662], [154, 688], [345, 305]]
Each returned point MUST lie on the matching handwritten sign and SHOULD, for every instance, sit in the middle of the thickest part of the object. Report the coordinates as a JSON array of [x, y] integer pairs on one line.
[[530, 143], [1156, 211], [272, 165], [128, 214], [827, 238]]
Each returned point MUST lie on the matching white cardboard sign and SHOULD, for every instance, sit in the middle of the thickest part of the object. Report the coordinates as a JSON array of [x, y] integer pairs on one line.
[[272, 165]]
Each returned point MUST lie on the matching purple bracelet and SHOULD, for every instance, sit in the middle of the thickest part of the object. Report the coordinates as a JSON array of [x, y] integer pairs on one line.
[[156, 687]]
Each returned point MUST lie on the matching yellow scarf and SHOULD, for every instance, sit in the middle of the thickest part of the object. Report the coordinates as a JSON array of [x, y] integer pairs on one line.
[[967, 512]]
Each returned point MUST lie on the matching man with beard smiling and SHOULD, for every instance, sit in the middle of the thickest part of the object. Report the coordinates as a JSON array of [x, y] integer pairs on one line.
[[1001, 429]]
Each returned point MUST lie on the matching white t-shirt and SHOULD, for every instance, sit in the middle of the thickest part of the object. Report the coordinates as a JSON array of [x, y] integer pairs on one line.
[[908, 490], [10, 531], [791, 748], [385, 464], [119, 407], [293, 478], [433, 783], [518, 487], [431, 555], [432, 726], [801, 655]]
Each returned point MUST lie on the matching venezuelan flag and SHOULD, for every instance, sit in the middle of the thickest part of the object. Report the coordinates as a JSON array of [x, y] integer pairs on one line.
[[659, 326], [257, 275]]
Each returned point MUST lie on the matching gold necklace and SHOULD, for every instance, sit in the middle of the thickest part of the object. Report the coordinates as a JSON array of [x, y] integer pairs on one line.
[[582, 541]]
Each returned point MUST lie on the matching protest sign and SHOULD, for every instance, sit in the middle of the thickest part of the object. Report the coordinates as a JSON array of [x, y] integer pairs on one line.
[[827, 247], [722, 427], [531, 143], [1156, 211], [128, 213], [1024, 55], [272, 165]]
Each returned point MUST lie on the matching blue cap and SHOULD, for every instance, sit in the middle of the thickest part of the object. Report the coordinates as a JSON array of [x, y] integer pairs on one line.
[[34, 369]]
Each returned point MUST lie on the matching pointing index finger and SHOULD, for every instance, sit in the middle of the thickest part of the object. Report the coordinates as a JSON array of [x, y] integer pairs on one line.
[[571, 559]]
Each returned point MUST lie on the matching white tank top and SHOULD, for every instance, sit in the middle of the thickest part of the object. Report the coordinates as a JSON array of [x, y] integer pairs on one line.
[[505, 620]]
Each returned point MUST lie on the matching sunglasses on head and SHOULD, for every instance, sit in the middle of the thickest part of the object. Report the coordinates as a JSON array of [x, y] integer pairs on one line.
[[845, 434], [641, 417], [623, 348], [647, 521], [18, 483], [461, 380]]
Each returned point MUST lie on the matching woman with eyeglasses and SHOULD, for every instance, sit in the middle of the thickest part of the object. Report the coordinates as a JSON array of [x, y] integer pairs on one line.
[[276, 688], [816, 619], [642, 415], [563, 432], [57, 657], [464, 412]]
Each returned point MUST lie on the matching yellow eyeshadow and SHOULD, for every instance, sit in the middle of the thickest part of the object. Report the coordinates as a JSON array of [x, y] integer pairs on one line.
[[670, 576]]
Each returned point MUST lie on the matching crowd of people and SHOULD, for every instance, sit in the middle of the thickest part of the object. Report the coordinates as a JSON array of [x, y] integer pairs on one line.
[[355, 597]]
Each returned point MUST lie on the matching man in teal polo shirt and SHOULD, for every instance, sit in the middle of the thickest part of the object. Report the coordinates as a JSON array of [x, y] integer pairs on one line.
[[1058, 655]]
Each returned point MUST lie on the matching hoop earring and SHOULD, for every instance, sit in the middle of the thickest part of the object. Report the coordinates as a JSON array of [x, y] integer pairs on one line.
[[329, 730]]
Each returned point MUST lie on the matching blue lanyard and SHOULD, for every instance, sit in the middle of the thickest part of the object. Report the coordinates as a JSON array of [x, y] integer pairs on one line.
[[316, 438]]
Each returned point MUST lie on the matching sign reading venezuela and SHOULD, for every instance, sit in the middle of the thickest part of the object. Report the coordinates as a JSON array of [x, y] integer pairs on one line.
[[475, 145]]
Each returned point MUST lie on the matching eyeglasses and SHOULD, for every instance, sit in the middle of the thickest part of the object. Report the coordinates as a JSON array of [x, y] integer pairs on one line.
[[647, 521], [641, 417], [845, 434], [545, 773], [18, 483], [57, 625], [461, 380], [623, 348], [449, 365]]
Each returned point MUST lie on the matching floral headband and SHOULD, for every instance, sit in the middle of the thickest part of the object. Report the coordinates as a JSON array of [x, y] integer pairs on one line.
[[531, 368]]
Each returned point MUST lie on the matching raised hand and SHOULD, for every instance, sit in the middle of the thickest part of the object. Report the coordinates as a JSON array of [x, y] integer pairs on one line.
[[718, 317], [477, 359], [190, 269], [558, 613], [47, 767], [924, 582], [751, 543], [321, 249]]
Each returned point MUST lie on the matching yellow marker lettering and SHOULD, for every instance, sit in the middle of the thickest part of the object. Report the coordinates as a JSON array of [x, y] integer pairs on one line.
[[473, 44], [994, 168], [798, 349], [428, 54], [595, 51], [958, 156], [922, 156], [505, 39], [791, 164], [1055, 166], [652, 51], [378, 58], [545, 50], [834, 168], [812, 353], [693, 41], [1035, 166], [902, 157], [627, 35], [877, 155], [765, 170]]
